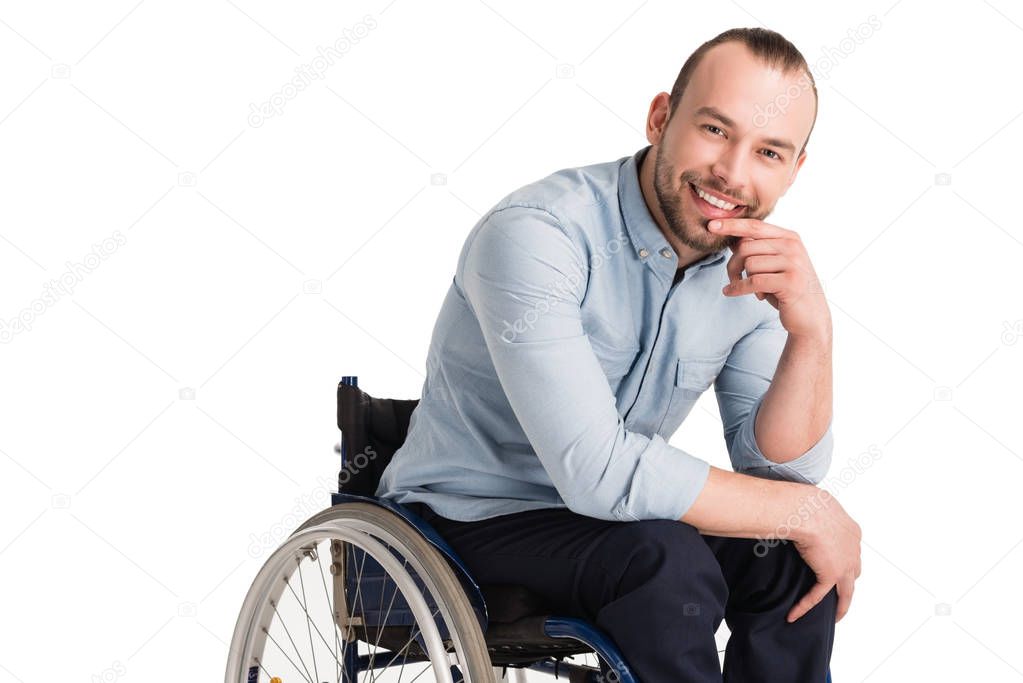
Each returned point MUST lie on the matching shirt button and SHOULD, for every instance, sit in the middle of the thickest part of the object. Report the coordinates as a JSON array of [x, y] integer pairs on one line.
[[643, 253], [666, 252]]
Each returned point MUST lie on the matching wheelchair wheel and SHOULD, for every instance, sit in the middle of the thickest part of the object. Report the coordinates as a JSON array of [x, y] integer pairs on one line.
[[357, 594]]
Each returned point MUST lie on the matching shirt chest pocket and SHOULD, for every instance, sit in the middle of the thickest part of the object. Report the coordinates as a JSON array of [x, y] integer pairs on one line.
[[693, 376]]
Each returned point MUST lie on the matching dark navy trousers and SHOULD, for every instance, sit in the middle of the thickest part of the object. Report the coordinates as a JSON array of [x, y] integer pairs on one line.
[[659, 589]]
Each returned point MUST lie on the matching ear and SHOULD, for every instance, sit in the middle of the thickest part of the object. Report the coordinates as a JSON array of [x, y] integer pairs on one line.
[[795, 171], [657, 118]]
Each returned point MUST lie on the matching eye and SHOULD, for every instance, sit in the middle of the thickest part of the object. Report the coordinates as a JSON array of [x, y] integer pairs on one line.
[[713, 129], [771, 151]]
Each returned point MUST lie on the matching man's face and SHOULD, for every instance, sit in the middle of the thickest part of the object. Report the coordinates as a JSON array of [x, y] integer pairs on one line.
[[730, 138]]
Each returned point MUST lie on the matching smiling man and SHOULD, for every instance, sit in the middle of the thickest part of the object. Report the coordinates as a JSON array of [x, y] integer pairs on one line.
[[588, 312]]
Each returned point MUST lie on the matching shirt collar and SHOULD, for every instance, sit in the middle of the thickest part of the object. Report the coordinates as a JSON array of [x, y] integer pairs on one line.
[[647, 239]]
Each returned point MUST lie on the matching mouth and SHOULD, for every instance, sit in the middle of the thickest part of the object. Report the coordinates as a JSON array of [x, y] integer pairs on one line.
[[714, 206]]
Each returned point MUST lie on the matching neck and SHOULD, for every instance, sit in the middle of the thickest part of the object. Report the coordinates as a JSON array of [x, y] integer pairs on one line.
[[686, 254]]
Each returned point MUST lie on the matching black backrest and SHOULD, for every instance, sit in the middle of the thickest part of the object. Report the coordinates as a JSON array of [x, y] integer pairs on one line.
[[372, 429]]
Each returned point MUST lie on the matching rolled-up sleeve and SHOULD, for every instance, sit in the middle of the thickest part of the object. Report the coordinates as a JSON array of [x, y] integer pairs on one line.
[[740, 389], [524, 279]]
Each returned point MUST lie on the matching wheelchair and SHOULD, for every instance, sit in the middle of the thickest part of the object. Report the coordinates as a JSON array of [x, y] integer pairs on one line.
[[367, 590]]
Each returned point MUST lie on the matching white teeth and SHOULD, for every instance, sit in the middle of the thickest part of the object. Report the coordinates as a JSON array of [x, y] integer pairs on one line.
[[714, 200]]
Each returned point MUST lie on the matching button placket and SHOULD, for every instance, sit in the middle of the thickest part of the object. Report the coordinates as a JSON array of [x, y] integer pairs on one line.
[[643, 391]]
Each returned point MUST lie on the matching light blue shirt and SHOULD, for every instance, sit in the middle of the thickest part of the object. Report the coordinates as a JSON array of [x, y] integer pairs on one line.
[[564, 356]]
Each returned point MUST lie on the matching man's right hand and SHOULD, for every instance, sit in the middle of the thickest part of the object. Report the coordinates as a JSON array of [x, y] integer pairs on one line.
[[743, 506], [829, 543]]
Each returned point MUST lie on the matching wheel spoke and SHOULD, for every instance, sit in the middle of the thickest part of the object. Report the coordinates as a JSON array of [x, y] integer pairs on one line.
[[330, 606], [383, 620], [311, 623], [401, 672], [428, 668], [358, 593], [288, 633], [274, 641], [260, 664], [408, 643], [308, 620]]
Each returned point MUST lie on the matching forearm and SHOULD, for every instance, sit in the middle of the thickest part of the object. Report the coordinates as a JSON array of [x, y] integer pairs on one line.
[[742, 506], [797, 406]]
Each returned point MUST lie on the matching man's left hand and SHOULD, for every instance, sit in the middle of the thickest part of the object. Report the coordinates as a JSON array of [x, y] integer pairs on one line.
[[777, 269]]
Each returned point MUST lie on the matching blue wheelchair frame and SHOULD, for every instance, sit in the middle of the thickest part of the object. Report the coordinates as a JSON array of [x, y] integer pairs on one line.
[[555, 627]]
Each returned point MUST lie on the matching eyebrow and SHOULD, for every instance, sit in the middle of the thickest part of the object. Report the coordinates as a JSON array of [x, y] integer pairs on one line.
[[716, 114]]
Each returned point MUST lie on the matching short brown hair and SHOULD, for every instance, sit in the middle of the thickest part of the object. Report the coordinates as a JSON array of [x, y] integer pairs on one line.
[[770, 47]]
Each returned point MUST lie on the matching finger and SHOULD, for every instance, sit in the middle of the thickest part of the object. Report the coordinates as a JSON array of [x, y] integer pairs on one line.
[[845, 593], [808, 601], [748, 227], [767, 263], [746, 248], [758, 282]]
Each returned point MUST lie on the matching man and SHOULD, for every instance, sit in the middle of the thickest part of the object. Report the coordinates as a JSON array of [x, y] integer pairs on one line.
[[588, 312]]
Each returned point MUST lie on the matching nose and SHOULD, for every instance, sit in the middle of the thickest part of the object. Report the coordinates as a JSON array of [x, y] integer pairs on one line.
[[730, 168]]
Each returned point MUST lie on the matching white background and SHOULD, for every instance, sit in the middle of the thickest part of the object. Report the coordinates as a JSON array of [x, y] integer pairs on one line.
[[261, 263]]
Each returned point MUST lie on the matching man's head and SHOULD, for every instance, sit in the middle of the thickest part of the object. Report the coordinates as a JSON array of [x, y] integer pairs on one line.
[[735, 127]]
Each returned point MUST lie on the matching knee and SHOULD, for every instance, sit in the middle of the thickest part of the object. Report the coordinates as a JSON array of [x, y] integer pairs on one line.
[[777, 574], [786, 563]]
